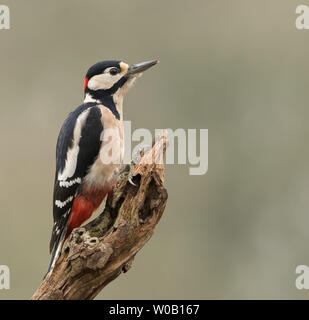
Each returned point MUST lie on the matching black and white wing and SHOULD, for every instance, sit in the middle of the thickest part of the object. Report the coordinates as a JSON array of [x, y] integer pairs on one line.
[[78, 146]]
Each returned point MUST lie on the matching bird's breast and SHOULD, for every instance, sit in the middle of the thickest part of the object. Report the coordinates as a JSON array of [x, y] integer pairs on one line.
[[110, 158]]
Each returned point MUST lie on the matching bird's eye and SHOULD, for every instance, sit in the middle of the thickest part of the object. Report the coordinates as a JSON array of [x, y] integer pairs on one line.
[[113, 71]]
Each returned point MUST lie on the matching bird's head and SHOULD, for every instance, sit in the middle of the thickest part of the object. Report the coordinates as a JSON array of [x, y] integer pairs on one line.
[[112, 78]]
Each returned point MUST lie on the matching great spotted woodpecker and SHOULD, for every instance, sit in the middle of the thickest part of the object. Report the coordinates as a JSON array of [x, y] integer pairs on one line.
[[82, 179]]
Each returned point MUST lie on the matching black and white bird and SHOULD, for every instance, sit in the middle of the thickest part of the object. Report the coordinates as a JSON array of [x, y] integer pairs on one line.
[[87, 163]]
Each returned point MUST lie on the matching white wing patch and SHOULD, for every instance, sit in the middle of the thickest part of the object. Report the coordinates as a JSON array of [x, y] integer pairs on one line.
[[61, 204], [70, 183], [72, 154]]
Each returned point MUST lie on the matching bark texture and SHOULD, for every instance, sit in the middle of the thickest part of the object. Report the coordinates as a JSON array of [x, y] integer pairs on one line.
[[99, 252]]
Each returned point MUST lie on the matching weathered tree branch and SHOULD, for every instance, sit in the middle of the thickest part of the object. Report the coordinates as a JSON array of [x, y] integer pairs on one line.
[[99, 252]]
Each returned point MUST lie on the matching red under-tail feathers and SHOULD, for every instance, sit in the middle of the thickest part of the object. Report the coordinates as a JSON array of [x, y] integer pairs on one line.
[[83, 207]]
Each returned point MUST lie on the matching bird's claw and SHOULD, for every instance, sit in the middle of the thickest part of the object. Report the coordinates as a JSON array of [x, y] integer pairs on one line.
[[130, 175], [130, 180], [127, 172]]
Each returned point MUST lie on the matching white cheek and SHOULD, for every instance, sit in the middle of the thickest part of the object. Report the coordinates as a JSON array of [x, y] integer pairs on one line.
[[103, 81]]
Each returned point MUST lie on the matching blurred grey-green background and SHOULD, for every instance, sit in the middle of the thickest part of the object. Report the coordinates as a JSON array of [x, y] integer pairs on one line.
[[238, 68]]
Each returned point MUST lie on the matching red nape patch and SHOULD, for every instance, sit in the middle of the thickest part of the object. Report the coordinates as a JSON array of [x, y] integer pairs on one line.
[[85, 83]]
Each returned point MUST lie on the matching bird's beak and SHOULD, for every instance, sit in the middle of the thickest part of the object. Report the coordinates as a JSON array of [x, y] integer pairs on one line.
[[135, 69]]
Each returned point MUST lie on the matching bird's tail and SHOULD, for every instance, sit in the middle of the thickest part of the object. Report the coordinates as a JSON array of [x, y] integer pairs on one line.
[[56, 251]]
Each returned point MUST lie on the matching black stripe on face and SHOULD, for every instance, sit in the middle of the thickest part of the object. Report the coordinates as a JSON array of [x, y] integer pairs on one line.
[[116, 86], [105, 96]]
